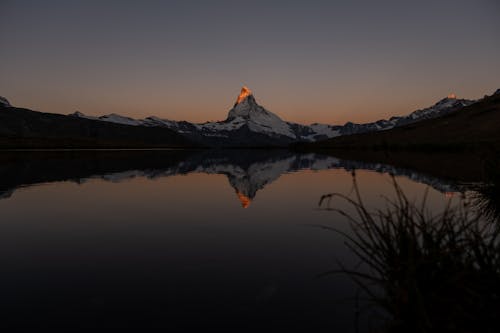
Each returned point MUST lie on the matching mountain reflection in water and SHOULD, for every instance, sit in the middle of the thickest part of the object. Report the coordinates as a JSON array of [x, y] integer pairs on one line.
[[248, 171]]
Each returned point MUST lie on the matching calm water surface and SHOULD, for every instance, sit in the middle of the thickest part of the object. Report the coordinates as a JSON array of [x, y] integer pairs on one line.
[[157, 239]]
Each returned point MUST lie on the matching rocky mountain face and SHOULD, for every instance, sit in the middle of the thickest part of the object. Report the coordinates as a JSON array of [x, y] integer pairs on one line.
[[250, 124]]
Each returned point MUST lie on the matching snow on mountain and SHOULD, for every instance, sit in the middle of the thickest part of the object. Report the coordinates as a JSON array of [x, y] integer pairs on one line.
[[4, 102], [446, 105], [116, 118], [441, 108], [245, 113], [315, 132], [246, 110], [78, 114], [324, 129], [247, 121], [234, 124], [111, 118]]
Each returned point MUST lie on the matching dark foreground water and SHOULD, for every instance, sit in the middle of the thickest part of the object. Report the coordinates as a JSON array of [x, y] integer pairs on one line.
[[167, 239]]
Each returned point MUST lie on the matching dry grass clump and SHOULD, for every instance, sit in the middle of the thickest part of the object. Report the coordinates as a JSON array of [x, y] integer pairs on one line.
[[429, 272]]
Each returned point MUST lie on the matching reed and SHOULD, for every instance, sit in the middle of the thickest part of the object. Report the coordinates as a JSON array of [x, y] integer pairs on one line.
[[430, 272]]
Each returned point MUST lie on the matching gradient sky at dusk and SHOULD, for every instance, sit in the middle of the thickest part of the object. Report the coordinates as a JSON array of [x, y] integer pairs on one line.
[[307, 61]]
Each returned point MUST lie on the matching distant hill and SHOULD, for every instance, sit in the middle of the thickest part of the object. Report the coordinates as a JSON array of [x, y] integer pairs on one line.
[[23, 128], [473, 126]]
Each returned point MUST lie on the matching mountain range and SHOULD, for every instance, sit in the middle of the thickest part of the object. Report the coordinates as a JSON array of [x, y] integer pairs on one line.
[[248, 124], [475, 127], [26, 129]]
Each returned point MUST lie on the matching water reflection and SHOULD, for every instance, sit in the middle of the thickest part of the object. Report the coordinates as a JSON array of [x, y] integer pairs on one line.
[[248, 171]]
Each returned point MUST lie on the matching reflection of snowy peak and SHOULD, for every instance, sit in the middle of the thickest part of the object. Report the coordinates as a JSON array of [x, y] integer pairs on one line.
[[248, 171], [257, 176], [247, 177], [249, 124]]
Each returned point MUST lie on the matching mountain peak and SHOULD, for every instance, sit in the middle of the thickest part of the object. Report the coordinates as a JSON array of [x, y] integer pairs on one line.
[[245, 92], [4, 102], [450, 99], [257, 118]]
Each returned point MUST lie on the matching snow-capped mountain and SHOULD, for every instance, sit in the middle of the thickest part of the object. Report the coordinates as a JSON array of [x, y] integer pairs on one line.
[[444, 106], [247, 111], [441, 108], [249, 124]]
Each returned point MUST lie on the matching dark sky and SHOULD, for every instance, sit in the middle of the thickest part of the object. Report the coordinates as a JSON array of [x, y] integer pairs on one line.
[[307, 61]]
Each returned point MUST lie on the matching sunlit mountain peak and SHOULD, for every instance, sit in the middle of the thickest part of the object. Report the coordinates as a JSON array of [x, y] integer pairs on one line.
[[245, 92], [452, 96]]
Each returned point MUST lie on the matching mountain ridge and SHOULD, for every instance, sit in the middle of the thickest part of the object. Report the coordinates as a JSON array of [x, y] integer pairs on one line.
[[247, 124], [248, 118], [26, 129], [475, 126]]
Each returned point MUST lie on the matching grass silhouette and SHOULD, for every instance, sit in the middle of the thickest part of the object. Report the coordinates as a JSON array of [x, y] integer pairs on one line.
[[429, 272]]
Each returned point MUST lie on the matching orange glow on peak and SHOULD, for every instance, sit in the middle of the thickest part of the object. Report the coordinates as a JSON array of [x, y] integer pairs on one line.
[[245, 201], [245, 92], [452, 95]]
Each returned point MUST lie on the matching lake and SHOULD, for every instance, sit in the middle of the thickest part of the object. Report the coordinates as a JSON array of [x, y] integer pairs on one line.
[[230, 238]]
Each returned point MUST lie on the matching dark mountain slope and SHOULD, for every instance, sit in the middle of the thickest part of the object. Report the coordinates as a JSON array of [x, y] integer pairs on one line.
[[23, 128], [474, 126]]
